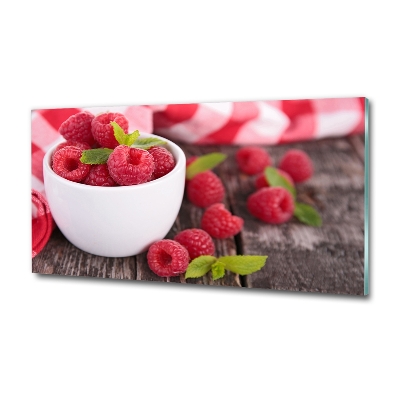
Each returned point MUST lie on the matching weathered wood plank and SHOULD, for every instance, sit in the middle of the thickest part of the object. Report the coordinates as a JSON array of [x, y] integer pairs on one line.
[[301, 258], [326, 259], [333, 268], [358, 142], [60, 257]]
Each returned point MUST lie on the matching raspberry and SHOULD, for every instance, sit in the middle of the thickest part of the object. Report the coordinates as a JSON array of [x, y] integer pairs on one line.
[[205, 189], [99, 176], [103, 132], [297, 164], [130, 166], [81, 145], [164, 161], [167, 258], [66, 163], [78, 127], [220, 223], [252, 160], [197, 242], [274, 205], [261, 182]]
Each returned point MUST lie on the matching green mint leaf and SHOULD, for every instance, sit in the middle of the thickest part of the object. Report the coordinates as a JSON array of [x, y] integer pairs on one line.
[[147, 143], [218, 270], [276, 179], [307, 214], [243, 265], [199, 266], [119, 133], [124, 138], [132, 137], [95, 156], [204, 163]]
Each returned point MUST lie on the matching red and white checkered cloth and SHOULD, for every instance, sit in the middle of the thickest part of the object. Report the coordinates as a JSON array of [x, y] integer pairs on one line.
[[260, 122], [240, 123]]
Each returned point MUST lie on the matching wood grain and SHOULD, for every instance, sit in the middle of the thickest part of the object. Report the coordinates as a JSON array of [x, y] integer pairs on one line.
[[329, 259]]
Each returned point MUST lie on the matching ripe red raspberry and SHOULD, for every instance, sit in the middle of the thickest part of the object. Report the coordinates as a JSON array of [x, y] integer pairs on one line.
[[164, 161], [102, 130], [252, 160], [78, 127], [167, 258], [197, 242], [261, 182], [99, 176], [205, 189], [81, 145], [130, 166], [66, 163], [274, 205], [297, 164], [220, 223]]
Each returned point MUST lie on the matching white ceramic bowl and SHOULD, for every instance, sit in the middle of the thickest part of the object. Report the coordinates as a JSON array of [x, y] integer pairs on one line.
[[117, 221]]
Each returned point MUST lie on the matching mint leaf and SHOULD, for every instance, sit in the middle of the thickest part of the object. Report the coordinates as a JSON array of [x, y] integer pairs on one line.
[[274, 178], [95, 156], [218, 270], [119, 133], [243, 265], [307, 214], [124, 138], [204, 163], [147, 143], [199, 266]]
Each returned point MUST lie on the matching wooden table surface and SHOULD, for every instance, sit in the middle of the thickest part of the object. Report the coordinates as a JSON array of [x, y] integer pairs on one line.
[[328, 259]]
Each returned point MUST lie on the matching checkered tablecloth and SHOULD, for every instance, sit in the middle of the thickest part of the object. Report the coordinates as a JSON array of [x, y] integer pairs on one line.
[[260, 122], [241, 123]]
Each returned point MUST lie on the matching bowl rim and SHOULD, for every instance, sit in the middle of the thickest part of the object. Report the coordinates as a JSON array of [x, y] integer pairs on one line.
[[180, 163]]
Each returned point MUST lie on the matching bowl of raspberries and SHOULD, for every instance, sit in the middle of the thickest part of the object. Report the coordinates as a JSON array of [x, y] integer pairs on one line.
[[113, 192]]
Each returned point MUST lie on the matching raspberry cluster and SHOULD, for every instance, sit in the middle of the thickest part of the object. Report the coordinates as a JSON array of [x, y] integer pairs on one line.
[[274, 205], [171, 257], [168, 257], [123, 165], [206, 190]]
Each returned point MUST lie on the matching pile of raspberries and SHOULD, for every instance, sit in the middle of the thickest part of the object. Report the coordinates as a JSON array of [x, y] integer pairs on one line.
[[125, 166], [274, 205]]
